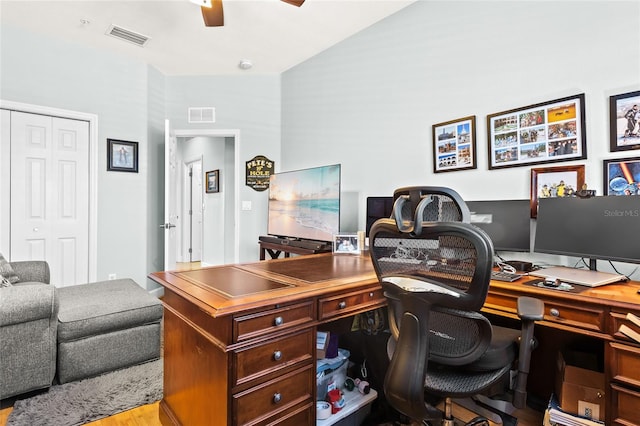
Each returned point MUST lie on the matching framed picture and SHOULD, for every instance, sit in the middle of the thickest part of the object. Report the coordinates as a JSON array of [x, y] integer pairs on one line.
[[548, 132], [621, 176], [122, 156], [454, 145], [624, 121], [346, 244], [561, 181], [212, 181]]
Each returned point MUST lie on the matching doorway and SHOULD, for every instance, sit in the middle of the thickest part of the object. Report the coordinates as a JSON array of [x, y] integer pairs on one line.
[[220, 234]]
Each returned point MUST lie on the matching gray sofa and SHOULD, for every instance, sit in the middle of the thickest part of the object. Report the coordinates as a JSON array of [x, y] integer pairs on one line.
[[28, 330], [70, 333]]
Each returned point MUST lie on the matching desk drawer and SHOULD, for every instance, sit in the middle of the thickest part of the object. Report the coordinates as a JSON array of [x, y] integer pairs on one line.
[[257, 324], [273, 356], [588, 318], [348, 303], [624, 364], [625, 403], [272, 398]]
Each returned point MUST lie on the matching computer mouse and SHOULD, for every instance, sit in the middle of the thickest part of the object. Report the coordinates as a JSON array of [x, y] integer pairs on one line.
[[551, 283]]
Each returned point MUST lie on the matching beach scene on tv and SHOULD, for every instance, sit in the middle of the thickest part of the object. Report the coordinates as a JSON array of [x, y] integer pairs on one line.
[[305, 203]]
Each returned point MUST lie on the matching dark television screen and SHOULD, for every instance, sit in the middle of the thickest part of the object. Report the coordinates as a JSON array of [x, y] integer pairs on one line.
[[378, 208], [605, 227], [507, 222], [305, 203]]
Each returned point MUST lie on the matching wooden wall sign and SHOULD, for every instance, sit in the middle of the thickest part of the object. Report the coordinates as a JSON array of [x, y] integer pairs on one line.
[[258, 170]]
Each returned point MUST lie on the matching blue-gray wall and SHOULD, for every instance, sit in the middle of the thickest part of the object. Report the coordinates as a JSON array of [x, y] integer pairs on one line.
[[132, 101], [370, 101], [367, 103]]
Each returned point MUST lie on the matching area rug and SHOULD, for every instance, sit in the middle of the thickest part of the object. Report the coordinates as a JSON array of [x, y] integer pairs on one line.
[[84, 401]]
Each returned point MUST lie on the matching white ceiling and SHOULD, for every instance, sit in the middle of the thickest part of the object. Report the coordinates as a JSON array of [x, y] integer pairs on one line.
[[272, 34]]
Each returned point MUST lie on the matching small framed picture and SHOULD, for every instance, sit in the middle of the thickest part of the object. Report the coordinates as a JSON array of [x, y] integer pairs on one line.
[[551, 182], [346, 244], [622, 176], [122, 156], [212, 181], [624, 118], [454, 145]]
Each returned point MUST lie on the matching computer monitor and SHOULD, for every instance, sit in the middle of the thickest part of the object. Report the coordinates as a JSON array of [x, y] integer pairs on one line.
[[604, 227], [378, 208], [507, 222]]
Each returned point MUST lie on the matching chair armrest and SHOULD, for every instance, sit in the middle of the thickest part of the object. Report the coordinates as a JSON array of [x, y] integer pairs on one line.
[[530, 309], [24, 303], [32, 270]]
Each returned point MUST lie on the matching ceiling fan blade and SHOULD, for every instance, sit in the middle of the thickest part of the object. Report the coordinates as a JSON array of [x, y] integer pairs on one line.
[[213, 16], [294, 2]]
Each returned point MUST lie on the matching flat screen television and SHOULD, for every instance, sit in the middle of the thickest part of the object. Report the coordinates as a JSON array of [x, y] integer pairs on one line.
[[507, 222], [604, 227], [305, 204]]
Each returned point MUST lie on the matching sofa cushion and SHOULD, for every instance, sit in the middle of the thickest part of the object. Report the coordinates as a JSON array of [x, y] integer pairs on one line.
[[7, 272], [103, 307]]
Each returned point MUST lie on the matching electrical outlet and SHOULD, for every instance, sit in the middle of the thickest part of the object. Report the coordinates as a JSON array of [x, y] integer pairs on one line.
[[112, 276]]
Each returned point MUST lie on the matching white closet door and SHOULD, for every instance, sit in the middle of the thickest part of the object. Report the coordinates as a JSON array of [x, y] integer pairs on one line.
[[50, 194]]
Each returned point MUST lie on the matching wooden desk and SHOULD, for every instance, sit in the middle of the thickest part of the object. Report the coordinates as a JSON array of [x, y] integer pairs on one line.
[[239, 340], [594, 316], [275, 250], [247, 333]]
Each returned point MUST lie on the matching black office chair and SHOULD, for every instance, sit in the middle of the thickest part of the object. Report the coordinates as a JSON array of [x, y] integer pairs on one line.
[[436, 275]]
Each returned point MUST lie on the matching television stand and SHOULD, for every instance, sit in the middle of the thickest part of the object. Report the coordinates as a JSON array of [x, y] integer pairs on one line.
[[275, 247]]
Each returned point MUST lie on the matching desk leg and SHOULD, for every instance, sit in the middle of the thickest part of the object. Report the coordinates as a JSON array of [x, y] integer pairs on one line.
[[276, 253]]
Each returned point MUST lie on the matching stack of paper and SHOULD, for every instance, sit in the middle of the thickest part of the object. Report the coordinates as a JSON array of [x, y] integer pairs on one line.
[[628, 331]]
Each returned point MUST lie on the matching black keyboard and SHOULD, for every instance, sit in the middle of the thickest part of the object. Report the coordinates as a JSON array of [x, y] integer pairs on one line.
[[505, 276]]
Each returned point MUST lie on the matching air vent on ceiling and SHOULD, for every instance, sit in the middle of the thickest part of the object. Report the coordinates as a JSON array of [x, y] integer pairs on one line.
[[202, 115], [127, 35]]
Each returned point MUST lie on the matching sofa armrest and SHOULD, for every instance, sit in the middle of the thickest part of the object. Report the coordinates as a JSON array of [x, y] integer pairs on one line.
[[32, 270], [24, 303]]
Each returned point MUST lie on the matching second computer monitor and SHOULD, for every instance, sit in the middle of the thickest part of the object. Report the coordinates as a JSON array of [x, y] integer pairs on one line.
[[507, 222]]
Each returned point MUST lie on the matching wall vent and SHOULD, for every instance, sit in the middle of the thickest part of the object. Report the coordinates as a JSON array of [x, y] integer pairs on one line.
[[202, 115], [127, 35]]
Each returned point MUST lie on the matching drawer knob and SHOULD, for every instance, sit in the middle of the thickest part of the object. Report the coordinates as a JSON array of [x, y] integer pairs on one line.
[[277, 355], [278, 321], [554, 312], [342, 305], [277, 397]]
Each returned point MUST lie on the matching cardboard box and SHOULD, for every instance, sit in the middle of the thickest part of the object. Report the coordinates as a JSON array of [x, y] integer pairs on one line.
[[580, 388], [322, 343]]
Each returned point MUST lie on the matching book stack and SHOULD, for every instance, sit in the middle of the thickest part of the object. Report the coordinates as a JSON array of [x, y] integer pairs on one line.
[[554, 416]]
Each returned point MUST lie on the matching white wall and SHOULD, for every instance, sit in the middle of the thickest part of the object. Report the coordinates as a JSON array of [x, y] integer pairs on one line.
[[66, 76], [251, 105], [369, 102]]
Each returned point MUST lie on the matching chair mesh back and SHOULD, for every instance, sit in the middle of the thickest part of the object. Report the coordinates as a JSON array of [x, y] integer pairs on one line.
[[445, 259], [447, 265]]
